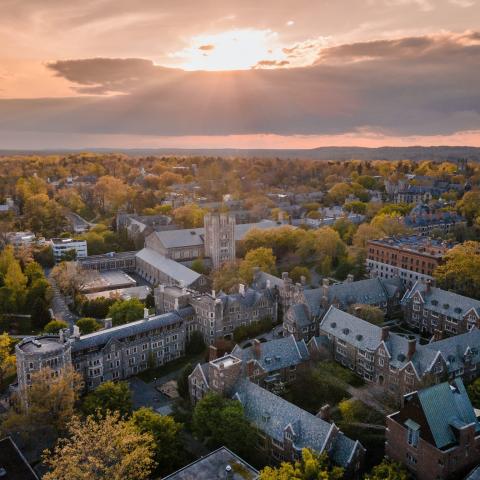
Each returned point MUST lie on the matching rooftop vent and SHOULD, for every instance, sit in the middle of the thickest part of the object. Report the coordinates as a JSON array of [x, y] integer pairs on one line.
[[434, 302], [446, 306], [333, 325], [346, 331], [192, 232], [458, 310], [359, 337], [401, 357]]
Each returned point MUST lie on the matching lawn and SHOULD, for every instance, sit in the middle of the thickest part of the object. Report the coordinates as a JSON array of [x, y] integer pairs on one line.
[[153, 373]]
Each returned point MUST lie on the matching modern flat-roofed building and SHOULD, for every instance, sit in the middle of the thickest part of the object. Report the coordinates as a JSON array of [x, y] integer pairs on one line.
[[411, 257], [61, 246], [107, 280], [110, 261]]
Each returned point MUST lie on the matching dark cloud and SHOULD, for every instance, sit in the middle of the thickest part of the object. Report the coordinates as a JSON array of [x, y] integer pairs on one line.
[[410, 86]]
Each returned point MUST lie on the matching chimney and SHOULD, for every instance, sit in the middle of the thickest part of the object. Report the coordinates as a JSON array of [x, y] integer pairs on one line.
[[214, 294], [257, 348], [324, 413], [284, 276], [228, 473], [145, 313], [61, 334], [107, 323], [268, 283], [76, 332], [385, 333], [212, 353], [250, 368], [303, 280], [429, 285], [241, 289], [412, 344], [184, 291], [175, 306], [350, 278], [161, 287], [325, 288], [437, 335]]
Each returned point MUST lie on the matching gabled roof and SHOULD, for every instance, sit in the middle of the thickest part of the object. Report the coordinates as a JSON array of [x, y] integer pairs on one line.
[[272, 414], [102, 337], [175, 270], [446, 408], [275, 354], [443, 301], [353, 330], [370, 291]]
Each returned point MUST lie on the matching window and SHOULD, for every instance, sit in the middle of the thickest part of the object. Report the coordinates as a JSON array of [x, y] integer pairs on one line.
[[413, 434], [411, 459]]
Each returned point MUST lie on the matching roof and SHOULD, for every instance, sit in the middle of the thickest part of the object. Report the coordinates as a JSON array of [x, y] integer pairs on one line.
[[100, 338], [44, 344], [275, 354], [213, 467], [189, 237], [272, 414], [369, 291], [443, 301], [14, 463], [175, 270], [354, 330], [446, 408]]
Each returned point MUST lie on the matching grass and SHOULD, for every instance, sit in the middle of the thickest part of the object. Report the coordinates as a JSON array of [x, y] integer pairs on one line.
[[153, 373], [335, 371]]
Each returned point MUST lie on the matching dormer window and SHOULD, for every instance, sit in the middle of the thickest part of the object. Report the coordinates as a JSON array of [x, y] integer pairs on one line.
[[413, 432]]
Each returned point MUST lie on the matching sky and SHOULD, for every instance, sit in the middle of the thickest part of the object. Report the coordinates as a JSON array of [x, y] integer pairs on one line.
[[240, 74]]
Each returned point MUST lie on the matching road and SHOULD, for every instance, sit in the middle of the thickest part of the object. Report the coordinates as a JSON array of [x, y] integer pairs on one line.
[[59, 305]]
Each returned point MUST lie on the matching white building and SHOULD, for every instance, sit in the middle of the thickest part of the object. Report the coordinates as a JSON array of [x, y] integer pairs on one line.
[[63, 245]]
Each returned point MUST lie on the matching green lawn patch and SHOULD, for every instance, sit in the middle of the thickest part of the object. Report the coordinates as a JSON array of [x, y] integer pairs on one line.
[[152, 373]]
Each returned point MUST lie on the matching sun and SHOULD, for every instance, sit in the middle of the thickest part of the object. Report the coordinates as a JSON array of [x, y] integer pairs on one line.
[[239, 49]]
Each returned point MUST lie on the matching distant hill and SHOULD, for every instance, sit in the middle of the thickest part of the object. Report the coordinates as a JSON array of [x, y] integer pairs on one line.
[[320, 153]]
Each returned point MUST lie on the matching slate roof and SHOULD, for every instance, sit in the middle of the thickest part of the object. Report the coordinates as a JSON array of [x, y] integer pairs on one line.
[[100, 338], [443, 301], [369, 291], [189, 237], [272, 414], [261, 278], [446, 406], [249, 299], [276, 354], [175, 270], [353, 330]]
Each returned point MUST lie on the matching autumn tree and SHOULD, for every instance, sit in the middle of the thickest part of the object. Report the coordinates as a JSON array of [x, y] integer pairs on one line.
[[44, 408], [366, 232], [369, 313], [70, 277], [7, 358], [390, 224], [298, 272], [227, 277], [461, 270], [189, 216], [262, 258], [111, 193], [388, 470], [109, 397], [105, 448], [469, 205], [311, 466]]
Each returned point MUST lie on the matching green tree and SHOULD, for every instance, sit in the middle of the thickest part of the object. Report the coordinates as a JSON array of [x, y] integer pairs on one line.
[[260, 257], [109, 397], [389, 223], [166, 436], [469, 205], [198, 265], [16, 282], [388, 470], [182, 381], [296, 274], [195, 344], [220, 421], [311, 466], [369, 313], [474, 392], [88, 325], [54, 326], [227, 277], [124, 311], [105, 448]]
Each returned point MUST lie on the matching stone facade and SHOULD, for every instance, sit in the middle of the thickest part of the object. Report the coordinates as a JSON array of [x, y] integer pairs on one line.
[[219, 238]]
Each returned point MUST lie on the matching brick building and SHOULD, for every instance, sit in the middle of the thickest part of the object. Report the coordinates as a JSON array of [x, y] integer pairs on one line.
[[439, 312], [411, 257], [436, 434]]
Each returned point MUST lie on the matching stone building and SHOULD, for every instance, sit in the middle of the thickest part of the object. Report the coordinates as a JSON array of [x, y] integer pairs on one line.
[[436, 434], [399, 364], [217, 315], [424, 219], [44, 351], [114, 353], [439, 312], [219, 238]]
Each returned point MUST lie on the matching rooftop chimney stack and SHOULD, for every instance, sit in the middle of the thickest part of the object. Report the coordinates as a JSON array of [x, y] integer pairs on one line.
[[175, 307], [349, 278], [145, 313], [385, 333], [241, 289], [412, 345], [257, 348], [212, 353], [76, 332], [107, 323]]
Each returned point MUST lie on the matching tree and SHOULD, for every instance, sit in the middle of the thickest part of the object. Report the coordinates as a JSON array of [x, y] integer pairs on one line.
[[227, 277], [54, 326], [469, 206], [388, 470], [189, 216], [166, 435], [124, 311], [345, 228], [461, 270], [195, 344], [182, 381], [16, 282], [87, 325], [389, 223], [369, 313], [70, 277], [105, 448], [311, 466], [474, 392], [7, 358], [109, 397], [339, 192], [298, 272], [366, 232], [43, 409], [198, 265], [260, 257], [220, 421]]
